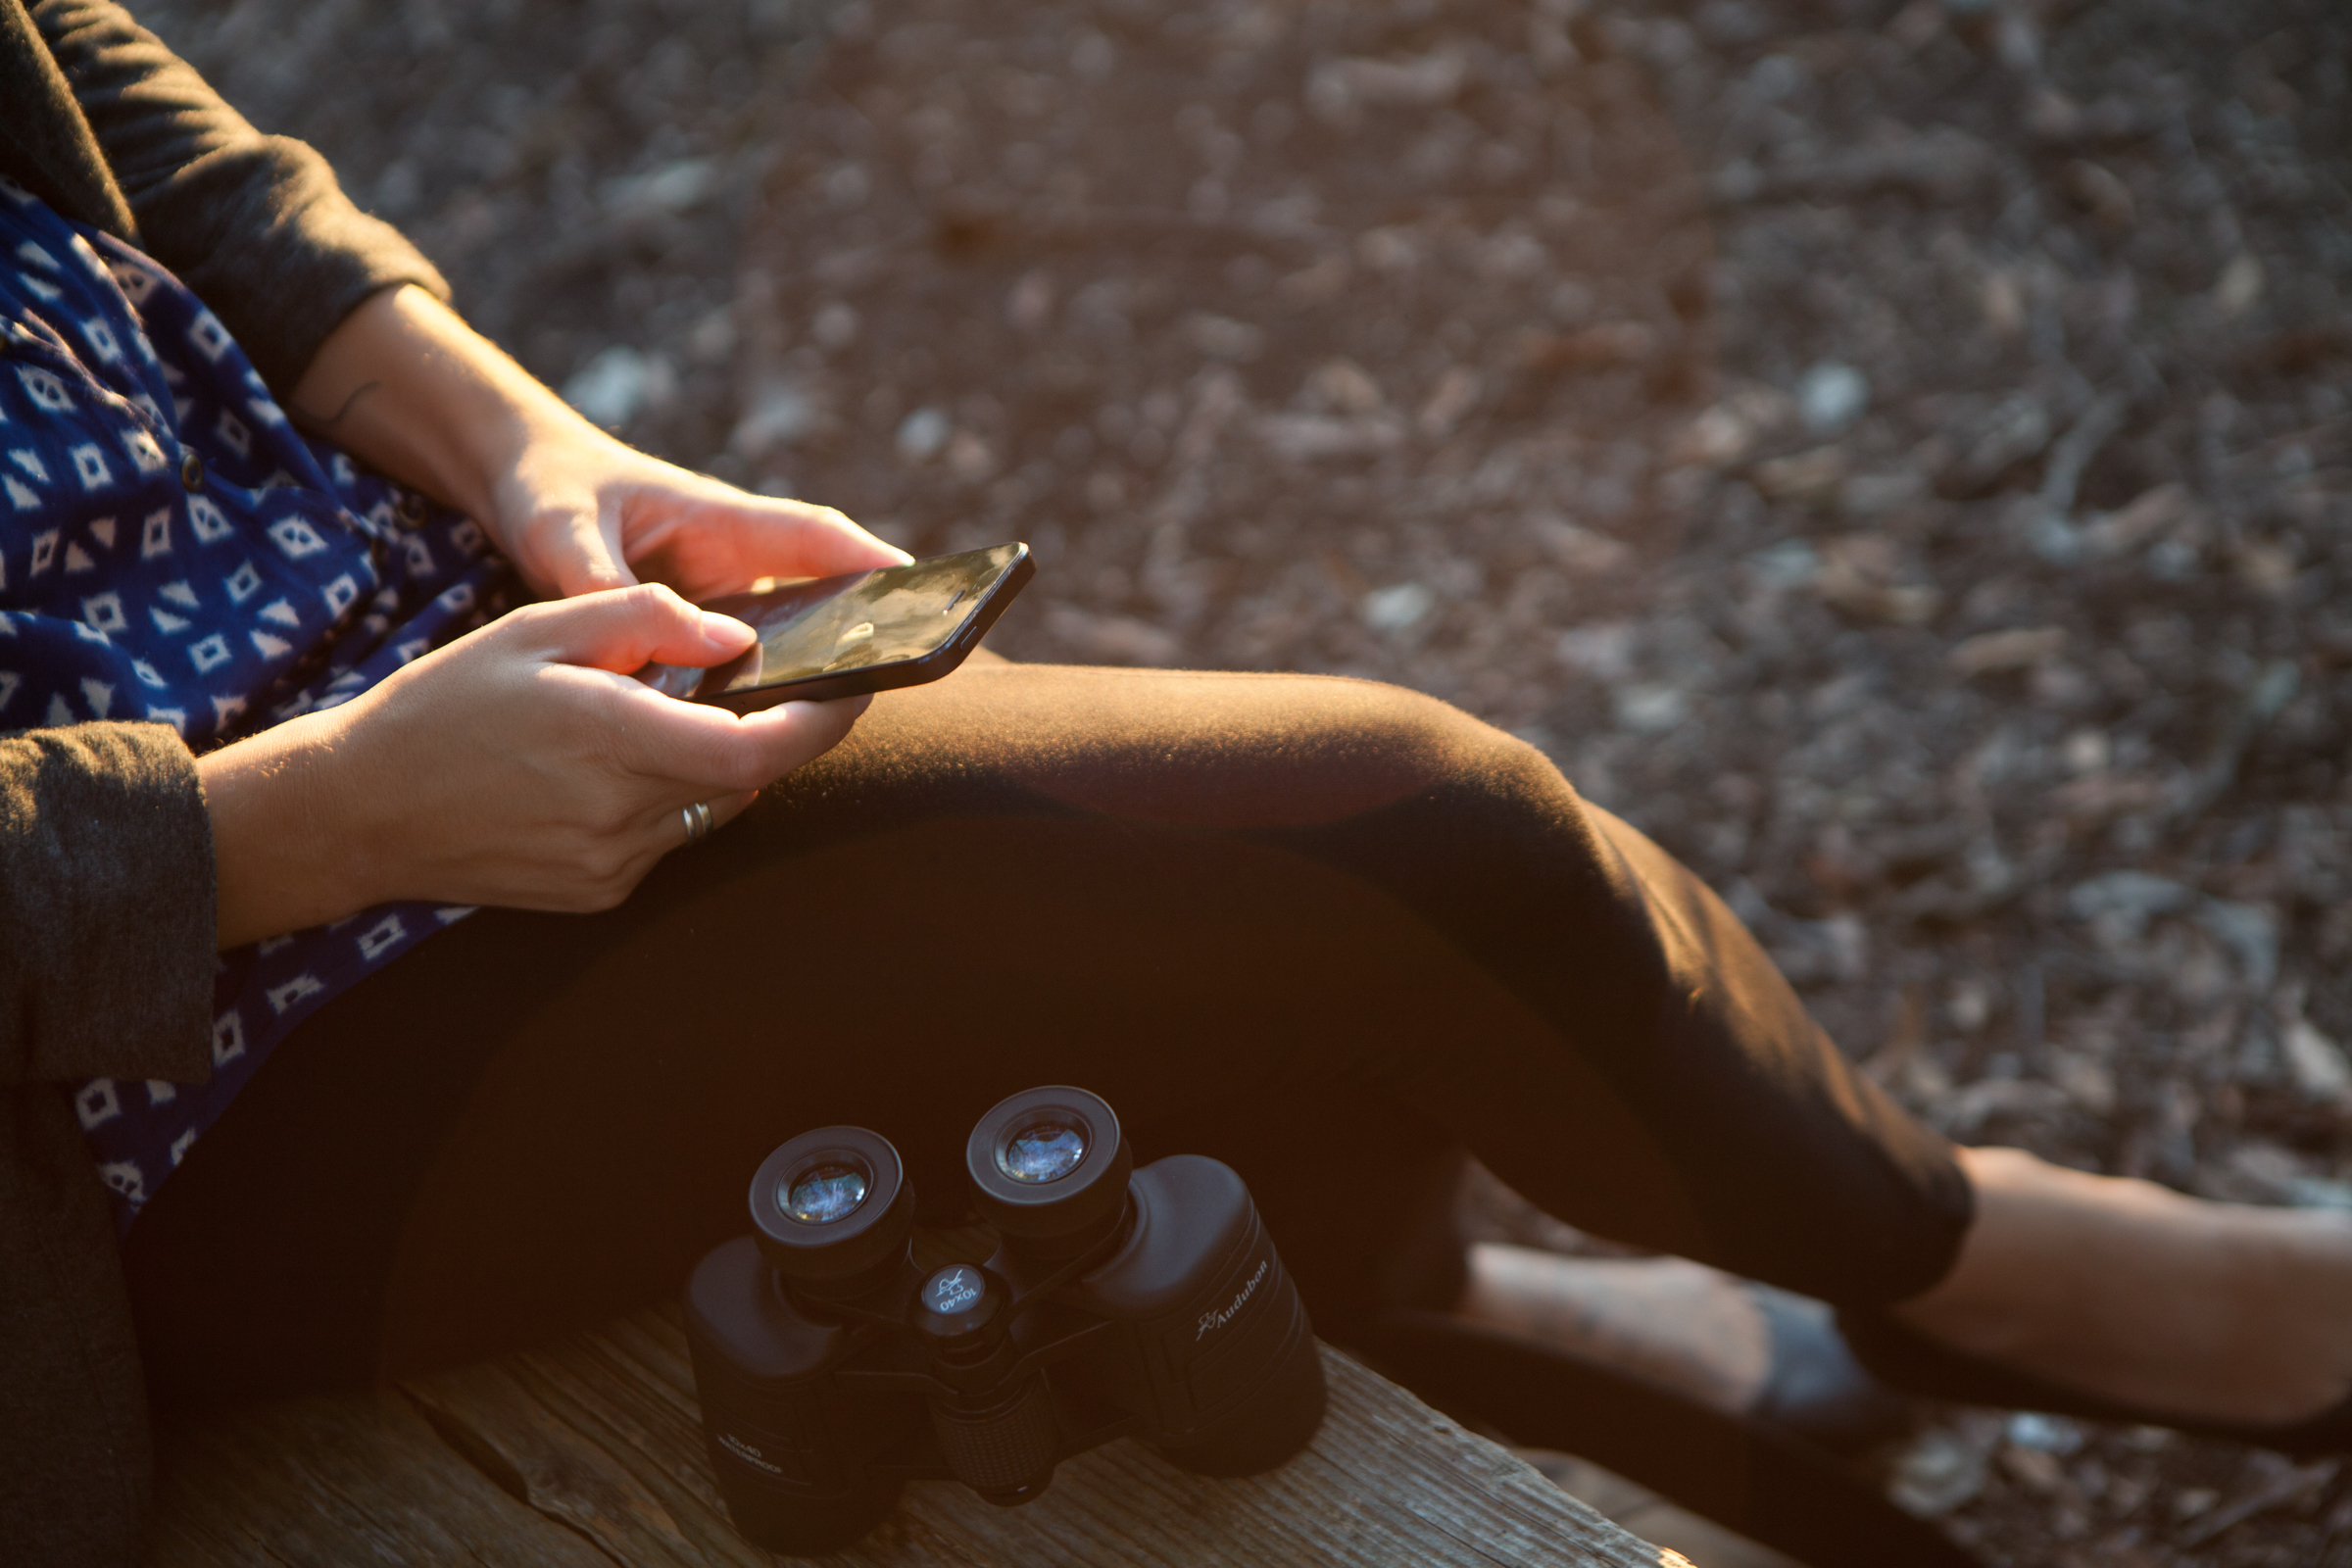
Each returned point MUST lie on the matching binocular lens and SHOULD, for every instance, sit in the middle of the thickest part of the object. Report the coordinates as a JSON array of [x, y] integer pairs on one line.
[[1049, 1169], [831, 1208], [1044, 1152], [826, 1194]]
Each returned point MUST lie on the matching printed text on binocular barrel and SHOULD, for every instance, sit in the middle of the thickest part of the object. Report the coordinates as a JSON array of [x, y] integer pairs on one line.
[[1223, 1315]]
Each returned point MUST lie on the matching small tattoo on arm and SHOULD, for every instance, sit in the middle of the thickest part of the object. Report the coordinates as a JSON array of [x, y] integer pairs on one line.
[[327, 421]]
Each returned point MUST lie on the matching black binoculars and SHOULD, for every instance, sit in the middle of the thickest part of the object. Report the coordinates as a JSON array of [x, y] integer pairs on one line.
[[1119, 1302]]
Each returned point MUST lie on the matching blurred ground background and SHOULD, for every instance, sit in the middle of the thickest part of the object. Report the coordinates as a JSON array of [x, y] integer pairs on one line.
[[1896, 451]]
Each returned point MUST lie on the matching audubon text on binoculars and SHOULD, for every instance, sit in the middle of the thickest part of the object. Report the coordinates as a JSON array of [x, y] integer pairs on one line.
[[1121, 1303]]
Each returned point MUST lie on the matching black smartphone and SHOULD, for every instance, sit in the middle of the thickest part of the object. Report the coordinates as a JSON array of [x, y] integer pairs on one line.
[[863, 631]]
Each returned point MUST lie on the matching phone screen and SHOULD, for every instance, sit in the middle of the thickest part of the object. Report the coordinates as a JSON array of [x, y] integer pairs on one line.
[[836, 627]]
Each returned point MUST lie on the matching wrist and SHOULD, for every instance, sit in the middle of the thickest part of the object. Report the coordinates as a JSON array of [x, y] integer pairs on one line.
[[287, 850], [407, 387]]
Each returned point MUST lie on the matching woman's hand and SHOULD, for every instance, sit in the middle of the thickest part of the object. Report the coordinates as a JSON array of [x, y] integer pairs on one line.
[[409, 389], [577, 510], [519, 766]]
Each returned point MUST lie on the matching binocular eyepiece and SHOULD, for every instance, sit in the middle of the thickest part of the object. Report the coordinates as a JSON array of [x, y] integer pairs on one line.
[[1050, 1170], [833, 1210], [831, 1367]]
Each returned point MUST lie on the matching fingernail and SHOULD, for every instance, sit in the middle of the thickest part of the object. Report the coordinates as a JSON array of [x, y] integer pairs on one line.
[[725, 628]]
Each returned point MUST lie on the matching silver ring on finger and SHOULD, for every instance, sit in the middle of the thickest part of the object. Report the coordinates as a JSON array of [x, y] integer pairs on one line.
[[697, 821]]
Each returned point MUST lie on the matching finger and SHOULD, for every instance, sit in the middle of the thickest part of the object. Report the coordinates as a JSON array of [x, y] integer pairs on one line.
[[675, 827], [827, 541], [713, 539], [727, 808], [580, 551], [623, 629], [708, 750]]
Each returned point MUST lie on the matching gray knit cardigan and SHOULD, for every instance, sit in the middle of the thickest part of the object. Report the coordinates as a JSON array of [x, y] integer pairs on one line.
[[106, 852]]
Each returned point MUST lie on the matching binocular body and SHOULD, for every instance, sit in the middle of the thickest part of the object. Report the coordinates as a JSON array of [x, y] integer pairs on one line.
[[1146, 1303]]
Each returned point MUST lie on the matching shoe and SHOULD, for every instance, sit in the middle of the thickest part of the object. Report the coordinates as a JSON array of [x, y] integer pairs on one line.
[[1817, 1390], [1909, 1360]]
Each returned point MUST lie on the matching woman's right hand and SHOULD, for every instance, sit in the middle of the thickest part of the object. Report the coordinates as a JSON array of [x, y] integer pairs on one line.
[[519, 766]]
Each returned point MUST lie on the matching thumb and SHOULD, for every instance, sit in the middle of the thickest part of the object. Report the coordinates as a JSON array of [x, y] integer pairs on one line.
[[624, 629]]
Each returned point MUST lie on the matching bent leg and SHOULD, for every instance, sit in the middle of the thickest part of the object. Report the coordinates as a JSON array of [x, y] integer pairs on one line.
[[1235, 906]]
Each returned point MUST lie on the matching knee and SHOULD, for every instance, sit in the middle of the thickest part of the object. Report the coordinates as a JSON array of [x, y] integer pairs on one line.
[[1442, 750], [1448, 740]]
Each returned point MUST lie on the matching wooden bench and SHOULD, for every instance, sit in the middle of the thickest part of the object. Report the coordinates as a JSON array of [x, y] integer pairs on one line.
[[586, 1452]]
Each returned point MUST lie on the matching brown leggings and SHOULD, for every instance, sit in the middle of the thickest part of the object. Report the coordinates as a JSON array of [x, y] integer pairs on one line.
[[1332, 932]]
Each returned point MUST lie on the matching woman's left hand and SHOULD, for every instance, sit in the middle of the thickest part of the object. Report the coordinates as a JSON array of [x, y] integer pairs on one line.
[[412, 390], [580, 511]]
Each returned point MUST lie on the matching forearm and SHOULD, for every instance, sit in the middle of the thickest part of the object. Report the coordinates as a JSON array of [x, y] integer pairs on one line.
[[408, 388]]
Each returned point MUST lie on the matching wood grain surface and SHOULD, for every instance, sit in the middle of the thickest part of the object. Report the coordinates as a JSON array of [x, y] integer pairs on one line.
[[587, 1452]]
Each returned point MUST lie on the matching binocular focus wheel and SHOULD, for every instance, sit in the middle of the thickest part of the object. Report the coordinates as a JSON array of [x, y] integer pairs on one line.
[[1008, 1451]]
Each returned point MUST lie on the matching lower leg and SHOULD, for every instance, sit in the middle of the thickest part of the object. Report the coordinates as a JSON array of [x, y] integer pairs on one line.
[[2133, 1293], [2120, 1290]]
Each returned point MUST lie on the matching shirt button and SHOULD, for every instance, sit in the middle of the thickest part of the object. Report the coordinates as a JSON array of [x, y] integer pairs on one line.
[[191, 469]]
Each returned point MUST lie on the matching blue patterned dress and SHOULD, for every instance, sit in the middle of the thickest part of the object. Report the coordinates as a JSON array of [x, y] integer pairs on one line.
[[172, 549]]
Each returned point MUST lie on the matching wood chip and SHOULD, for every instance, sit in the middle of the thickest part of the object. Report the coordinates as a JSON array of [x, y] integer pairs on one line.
[[1994, 652]]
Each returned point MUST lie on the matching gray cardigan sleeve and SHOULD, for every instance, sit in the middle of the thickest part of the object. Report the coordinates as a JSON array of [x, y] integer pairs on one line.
[[255, 225], [107, 906]]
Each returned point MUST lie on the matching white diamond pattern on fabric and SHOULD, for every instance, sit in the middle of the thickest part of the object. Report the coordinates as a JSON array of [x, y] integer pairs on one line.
[[133, 419]]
